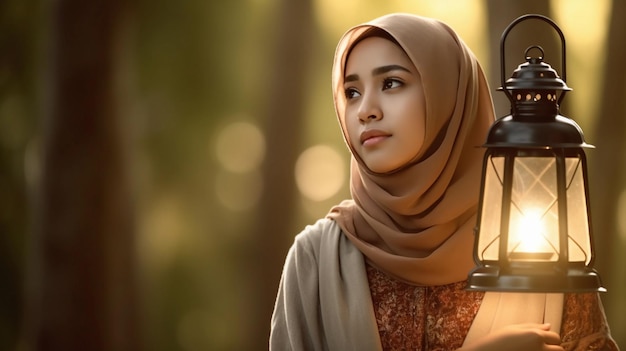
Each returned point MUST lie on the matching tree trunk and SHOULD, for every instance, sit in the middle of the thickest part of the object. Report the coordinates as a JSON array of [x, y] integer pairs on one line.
[[284, 113], [81, 293]]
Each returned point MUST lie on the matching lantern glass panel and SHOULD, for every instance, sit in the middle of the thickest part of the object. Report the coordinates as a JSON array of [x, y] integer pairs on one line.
[[579, 241], [490, 215], [534, 217]]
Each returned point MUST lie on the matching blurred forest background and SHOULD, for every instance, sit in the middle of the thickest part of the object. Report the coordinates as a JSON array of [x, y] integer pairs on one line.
[[158, 157]]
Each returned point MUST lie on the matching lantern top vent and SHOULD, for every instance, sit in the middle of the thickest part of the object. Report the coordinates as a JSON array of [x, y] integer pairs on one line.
[[535, 75], [535, 91]]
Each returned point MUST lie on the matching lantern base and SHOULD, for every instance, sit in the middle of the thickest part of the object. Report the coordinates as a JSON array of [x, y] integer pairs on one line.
[[572, 279]]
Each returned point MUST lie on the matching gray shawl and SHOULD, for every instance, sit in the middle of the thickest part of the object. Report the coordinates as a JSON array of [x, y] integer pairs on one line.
[[324, 300]]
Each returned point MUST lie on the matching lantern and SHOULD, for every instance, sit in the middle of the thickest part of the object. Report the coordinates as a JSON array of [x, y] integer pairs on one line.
[[533, 230]]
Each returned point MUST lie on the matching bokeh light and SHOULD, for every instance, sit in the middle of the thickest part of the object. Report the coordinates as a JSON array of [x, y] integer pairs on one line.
[[240, 147], [162, 228], [319, 172]]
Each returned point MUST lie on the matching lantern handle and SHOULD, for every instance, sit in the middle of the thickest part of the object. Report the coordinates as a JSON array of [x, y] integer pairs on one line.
[[506, 33], [528, 57]]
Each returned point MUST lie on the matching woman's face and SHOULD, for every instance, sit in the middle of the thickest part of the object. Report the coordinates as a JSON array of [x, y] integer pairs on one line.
[[385, 109]]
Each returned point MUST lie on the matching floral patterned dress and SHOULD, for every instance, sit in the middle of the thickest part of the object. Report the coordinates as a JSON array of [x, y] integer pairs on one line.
[[438, 318]]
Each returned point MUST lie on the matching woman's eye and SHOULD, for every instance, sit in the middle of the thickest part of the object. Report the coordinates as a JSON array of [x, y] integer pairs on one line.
[[351, 93], [391, 83]]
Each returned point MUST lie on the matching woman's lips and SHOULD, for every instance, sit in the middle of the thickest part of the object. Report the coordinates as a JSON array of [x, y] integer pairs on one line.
[[373, 136]]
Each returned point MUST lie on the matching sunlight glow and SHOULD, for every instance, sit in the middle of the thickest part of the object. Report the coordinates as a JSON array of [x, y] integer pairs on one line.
[[319, 172], [240, 147], [585, 24], [467, 17]]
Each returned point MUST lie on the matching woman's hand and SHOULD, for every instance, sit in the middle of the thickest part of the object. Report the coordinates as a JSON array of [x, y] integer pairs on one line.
[[522, 337]]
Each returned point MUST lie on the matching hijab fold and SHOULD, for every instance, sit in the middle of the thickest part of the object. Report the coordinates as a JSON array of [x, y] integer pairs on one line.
[[416, 223]]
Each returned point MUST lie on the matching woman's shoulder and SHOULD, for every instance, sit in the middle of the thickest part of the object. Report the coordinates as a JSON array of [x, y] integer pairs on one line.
[[309, 245], [317, 238], [314, 235], [319, 230]]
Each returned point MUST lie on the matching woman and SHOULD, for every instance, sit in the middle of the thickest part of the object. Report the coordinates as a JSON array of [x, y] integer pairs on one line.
[[386, 270]]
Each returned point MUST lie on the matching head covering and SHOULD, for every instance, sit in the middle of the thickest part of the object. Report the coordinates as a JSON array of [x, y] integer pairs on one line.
[[416, 223]]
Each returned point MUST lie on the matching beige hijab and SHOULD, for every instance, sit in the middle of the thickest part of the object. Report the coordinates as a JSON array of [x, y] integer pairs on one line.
[[417, 223]]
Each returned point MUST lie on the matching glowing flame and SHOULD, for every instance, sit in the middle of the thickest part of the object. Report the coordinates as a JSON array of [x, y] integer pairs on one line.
[[530, 232]]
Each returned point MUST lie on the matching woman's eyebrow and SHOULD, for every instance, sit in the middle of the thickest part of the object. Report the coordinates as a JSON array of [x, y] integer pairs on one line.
[[384, 69], [377, 71]]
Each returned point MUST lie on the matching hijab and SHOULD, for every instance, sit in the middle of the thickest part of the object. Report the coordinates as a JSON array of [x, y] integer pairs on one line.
[[416, 223]]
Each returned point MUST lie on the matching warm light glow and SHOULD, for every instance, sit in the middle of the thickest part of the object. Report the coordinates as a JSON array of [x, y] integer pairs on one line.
[[570, 13], [240, 147], [352, 13], [319, 172], [453, 12], [530, 232], [529, 237], [585, 52]]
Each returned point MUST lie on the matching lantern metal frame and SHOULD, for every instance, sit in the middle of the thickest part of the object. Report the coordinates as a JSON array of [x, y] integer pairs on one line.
[[535, 129]]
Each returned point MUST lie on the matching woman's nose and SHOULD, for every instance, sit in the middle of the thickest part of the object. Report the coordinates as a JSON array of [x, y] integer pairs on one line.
[[369, 110]]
